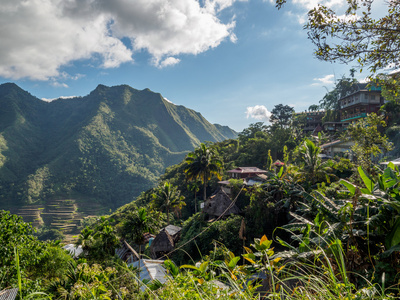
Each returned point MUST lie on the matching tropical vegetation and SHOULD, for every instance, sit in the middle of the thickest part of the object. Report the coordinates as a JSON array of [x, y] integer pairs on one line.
[[310, 229], [315, 229]]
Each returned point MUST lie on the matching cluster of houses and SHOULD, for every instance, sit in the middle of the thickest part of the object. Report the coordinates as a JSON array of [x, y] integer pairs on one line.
[[364, 99], [355, 105]]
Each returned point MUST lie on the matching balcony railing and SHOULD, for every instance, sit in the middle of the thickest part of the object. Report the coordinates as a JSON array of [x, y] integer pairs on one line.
[[353, 116], [359, 101]]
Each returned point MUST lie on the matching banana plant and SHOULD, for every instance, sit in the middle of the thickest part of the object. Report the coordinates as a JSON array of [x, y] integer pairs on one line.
[[262, 262], [200, 271]]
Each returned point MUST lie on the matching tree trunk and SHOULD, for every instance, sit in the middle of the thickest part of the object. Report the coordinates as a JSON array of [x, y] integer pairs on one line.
[[140, 250], [168, 216], [205, 187], [195, 201]]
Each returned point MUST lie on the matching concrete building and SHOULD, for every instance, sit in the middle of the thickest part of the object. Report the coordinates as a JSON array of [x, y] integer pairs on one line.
[[366, 99]]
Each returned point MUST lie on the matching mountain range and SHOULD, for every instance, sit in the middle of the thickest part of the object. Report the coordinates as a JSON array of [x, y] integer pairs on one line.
[[102, 149]]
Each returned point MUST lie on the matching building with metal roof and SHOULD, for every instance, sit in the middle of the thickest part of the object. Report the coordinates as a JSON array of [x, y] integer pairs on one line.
[[150, 270]]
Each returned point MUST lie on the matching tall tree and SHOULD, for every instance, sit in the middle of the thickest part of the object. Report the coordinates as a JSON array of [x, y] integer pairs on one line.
[[283, 129], [194, 187], [251, 131], [202, 164], [167, 197], [313, 107], [282, 115]]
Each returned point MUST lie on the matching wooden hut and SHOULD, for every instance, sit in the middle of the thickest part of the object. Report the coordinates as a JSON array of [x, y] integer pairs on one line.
[[162, 244], [174, 232], [220, 204]]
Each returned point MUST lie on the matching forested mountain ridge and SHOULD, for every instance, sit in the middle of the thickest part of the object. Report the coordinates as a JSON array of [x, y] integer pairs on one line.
[[106, 147]]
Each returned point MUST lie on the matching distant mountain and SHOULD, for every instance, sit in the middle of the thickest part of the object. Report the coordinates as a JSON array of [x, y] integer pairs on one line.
[[104, 148]]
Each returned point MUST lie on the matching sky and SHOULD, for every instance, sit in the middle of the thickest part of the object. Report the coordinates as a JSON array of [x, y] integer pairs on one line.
[[230, 60]]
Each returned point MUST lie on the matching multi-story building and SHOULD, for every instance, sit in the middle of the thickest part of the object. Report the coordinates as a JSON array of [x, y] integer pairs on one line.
[[366, 99], [312, 121]]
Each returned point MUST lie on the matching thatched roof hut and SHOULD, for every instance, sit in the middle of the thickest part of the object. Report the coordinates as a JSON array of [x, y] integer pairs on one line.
[[218, 204], [174, 232], [162, 244]]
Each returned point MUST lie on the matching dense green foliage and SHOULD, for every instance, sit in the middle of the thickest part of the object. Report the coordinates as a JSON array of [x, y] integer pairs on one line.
[[329, 228], [322, 225], [38, 262], [167, 198]]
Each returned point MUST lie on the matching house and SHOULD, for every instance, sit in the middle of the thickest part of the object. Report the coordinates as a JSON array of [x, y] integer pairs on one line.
[[338, 147], [362, 101], [150, 270], [165, 241], [313, 121], [334, 127], [249, 175], [162, 245], [174, 232], [148, 237], [220, 205], [245, 172]]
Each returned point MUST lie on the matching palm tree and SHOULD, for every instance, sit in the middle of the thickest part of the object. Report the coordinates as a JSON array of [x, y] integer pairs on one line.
[[136, 225], [194, 187], [167, 197], [202, 164], [313, 169]]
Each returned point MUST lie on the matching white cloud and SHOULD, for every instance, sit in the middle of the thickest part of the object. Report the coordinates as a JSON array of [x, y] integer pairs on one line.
[[309, 4], [328, 79], [40, 36], [59, 84], [168, 100], [218, 5], [62, 97], [258, 112], [306, 5], [169, 61]]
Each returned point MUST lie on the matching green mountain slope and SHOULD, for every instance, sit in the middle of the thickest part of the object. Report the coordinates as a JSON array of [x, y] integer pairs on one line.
[[104, 148]]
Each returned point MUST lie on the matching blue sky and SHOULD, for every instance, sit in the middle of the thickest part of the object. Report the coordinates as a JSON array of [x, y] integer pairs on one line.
[[230, 60]]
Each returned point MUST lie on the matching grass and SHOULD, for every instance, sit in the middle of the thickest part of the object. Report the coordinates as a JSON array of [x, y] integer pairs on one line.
[[322, 276]]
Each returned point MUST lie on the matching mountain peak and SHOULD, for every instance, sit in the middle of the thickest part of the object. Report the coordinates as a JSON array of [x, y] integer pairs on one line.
[[8, 87]]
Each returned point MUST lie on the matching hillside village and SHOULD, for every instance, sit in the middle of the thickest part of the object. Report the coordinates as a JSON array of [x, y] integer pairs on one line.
[[280, 185], [122, 194]]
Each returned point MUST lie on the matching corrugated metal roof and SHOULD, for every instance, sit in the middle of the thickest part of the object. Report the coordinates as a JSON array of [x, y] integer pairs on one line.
[[247, 170], [73, 250], [151, 270], [330, 144], [395, 162], [8, 294], [172, 229]]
